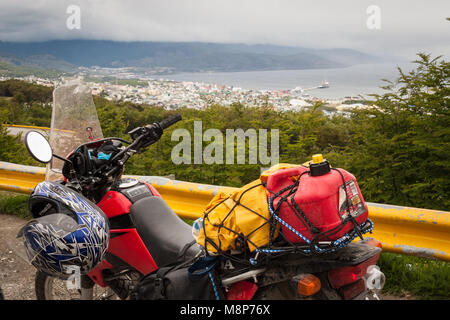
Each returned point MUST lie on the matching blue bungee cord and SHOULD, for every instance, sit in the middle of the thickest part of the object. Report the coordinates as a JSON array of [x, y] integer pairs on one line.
[[337, 244]]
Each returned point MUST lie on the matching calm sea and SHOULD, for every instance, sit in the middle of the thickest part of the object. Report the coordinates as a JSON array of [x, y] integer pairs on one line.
[[351, 81]]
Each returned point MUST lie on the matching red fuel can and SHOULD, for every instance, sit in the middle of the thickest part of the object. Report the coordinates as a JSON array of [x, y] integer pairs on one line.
[[320, 195]]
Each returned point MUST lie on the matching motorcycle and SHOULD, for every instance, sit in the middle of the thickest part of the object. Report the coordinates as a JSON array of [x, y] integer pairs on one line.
[[146, 234]]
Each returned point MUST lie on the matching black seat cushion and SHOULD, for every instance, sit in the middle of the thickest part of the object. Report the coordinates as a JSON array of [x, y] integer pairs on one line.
[[164, 234]]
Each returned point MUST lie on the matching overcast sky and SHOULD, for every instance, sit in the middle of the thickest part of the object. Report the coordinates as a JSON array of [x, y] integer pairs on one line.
[[405, 26]]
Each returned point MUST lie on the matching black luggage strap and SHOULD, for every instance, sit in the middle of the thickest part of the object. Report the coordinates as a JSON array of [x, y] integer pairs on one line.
[[159, 282]]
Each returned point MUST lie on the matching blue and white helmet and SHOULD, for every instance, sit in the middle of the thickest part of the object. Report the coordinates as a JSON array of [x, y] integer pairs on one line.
[[60, 244]]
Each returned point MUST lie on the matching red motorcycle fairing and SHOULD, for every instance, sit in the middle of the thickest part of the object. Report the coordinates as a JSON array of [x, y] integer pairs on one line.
[[114, 204], [125, 244], [153, 190], [96, 274]]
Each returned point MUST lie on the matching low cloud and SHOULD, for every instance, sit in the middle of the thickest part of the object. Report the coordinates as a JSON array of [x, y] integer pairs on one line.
[[407, 27]]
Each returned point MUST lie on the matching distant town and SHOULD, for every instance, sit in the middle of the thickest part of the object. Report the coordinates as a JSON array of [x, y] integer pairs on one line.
[[172, 94]]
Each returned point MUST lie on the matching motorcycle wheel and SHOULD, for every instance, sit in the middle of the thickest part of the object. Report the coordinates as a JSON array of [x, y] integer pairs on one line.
[[51, 288]]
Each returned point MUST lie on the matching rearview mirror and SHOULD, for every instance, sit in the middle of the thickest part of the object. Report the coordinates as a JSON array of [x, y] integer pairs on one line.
[[38, 147]]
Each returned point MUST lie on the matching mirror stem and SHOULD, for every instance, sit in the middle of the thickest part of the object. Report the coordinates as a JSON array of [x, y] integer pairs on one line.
[[63, 159], [72, 172]]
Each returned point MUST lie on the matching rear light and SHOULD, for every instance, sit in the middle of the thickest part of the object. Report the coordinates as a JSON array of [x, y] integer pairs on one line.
[[242, 290], [307, 284], [352, 290], [346, 275]]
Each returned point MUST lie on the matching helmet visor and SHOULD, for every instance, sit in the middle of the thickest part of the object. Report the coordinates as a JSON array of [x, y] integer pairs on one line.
[[42, 234]]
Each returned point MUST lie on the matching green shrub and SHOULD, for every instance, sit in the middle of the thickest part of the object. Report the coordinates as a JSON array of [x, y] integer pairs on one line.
[[16, 205]]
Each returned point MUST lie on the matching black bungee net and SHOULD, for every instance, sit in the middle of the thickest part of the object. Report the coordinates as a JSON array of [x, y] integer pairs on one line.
[[320, 244]]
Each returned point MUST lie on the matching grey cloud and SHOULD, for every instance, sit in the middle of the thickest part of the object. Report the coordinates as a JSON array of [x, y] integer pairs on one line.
[[406, 26]]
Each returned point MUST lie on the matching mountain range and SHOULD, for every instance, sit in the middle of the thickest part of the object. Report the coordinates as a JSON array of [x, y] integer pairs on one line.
[[68, 55]]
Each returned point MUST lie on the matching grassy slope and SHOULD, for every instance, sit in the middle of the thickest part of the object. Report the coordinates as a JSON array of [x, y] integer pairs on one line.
[[424, 278]]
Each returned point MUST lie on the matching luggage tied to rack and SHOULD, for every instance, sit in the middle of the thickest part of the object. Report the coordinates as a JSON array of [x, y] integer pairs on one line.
[[309, 208], [235, 221]]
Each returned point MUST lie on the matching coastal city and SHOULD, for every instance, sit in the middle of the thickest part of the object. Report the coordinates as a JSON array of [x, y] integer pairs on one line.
[[172, 94]]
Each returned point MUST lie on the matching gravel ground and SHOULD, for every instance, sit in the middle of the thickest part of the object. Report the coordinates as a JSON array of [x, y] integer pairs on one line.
[[17, 276]]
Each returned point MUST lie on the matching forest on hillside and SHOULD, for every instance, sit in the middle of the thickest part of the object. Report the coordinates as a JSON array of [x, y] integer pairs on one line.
[[398, 149]]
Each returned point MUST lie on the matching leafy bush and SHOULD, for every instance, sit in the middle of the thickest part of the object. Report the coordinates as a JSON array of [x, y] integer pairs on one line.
[[15, 204]]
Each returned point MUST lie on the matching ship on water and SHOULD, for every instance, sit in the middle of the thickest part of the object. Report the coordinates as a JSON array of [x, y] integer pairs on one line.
[[324, 84]]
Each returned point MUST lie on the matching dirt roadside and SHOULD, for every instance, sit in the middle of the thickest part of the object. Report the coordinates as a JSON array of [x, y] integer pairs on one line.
[[17, 276]]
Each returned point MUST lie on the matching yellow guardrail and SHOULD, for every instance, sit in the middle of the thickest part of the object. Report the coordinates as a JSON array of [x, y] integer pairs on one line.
[[19, 178], [26, 127], [406, 230], [41, 129]]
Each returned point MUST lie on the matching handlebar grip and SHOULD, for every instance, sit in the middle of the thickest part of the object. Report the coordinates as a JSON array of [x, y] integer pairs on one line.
[[170, 121]]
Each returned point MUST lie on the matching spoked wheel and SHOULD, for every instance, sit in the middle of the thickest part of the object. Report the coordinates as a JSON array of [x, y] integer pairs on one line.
[[51, 288]]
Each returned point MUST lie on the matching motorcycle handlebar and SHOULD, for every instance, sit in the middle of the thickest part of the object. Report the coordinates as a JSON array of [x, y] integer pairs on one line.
[[142, 138], [170, 121]]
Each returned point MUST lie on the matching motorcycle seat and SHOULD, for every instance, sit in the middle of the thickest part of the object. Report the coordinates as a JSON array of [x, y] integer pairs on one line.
[[166, 236]]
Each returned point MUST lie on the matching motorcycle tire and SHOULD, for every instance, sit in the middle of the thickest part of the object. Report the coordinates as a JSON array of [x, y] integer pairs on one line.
[[51, 288]]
